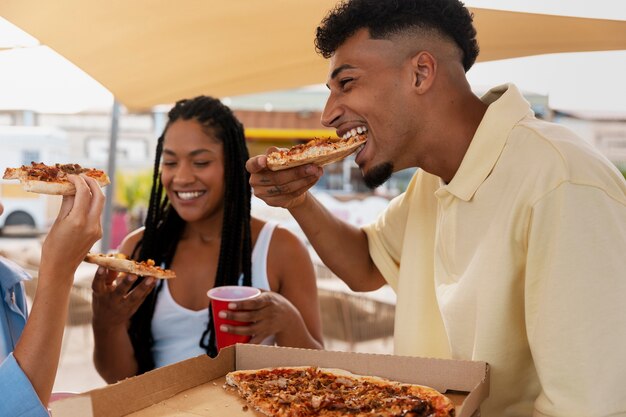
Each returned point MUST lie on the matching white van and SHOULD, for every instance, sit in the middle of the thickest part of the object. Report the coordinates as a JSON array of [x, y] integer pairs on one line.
[[21, 145]]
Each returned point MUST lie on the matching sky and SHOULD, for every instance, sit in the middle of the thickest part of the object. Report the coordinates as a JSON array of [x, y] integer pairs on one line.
[[600, 9], [590, 82], [62, 87], [580, 82]]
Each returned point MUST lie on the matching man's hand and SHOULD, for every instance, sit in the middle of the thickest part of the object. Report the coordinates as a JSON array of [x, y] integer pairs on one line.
[[286, 188]]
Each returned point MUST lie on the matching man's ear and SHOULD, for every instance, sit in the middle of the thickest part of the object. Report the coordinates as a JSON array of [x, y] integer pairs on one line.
[[424, 67]]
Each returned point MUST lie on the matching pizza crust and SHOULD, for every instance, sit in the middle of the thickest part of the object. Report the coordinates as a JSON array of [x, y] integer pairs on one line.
[[119, 263], [50, 188]]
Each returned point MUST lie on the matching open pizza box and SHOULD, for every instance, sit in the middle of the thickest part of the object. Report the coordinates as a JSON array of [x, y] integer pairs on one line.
[[195, 387]]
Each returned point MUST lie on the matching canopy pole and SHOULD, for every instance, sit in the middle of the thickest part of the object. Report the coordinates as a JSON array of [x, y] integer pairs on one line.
[[110, 189]]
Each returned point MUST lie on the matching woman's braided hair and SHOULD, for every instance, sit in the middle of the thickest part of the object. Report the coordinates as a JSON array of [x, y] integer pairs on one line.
[[164, 227]]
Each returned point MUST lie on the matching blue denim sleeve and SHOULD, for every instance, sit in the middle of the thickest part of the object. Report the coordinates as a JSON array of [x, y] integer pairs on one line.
[[19, 398]]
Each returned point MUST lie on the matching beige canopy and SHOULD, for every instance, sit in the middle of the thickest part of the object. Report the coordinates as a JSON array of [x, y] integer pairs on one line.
[[149, 52]]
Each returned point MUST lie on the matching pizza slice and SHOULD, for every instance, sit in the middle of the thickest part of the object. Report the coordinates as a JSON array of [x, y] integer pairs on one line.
[[311, 391], [317, 151], [52, 179], [120, 262]]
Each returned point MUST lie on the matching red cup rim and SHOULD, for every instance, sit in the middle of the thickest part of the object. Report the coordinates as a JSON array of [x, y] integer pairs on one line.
[[213, 297]]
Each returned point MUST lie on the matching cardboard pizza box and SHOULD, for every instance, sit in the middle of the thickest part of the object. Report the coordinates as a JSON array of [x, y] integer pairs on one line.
[[195, 387]]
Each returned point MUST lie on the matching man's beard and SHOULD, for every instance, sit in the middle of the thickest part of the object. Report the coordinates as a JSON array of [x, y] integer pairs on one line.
[[377, 176]]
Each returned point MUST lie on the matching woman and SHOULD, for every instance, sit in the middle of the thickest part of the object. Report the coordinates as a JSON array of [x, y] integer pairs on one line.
[[201, 229]]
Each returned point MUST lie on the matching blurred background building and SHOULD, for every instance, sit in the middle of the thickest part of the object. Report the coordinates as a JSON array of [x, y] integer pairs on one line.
[[281, 118]]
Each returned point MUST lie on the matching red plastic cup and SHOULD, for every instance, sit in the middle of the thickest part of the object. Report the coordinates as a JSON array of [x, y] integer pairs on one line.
[[220, 298]]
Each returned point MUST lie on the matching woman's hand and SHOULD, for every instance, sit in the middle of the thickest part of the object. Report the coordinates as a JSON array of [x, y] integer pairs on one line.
[[114, 302], [75, 230], [269, 314]]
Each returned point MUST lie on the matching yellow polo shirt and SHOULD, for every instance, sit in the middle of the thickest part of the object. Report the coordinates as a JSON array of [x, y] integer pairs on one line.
[[519, 261]]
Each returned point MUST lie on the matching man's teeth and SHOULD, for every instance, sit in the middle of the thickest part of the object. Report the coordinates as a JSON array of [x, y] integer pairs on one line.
[[353, 132], [189, 195]]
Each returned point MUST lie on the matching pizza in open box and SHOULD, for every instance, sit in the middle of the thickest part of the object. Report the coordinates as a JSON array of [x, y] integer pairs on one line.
[[312, 391]]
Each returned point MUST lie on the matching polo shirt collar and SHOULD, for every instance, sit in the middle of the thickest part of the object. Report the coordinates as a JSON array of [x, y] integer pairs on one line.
[[507, 106]]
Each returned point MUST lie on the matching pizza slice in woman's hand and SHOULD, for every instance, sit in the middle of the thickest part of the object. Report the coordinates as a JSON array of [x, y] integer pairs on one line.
[[120, 263], [52, 179]]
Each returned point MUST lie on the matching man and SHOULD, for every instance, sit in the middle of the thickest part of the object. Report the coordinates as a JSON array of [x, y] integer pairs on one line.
[[29, 350], [508, 245]]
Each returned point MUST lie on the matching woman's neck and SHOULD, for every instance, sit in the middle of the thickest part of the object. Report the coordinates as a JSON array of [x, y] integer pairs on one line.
[[206, 231]]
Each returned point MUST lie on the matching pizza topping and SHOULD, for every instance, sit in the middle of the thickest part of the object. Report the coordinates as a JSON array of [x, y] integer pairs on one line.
[[42, 172]]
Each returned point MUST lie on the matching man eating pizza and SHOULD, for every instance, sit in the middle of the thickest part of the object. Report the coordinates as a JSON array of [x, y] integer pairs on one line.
[[508, 244]]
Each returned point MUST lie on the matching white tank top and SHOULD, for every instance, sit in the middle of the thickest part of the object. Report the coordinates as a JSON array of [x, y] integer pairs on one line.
[[177, 330]]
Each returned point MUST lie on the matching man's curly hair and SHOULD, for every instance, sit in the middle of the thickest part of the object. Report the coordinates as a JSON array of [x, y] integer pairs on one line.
[[384, 18]]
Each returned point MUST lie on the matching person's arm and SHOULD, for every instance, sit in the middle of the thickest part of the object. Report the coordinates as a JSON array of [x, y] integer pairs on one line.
[[290, 312], [298, 285], [576, 315], [72, 235], [114, 303], [19, 398], [341, 246]]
